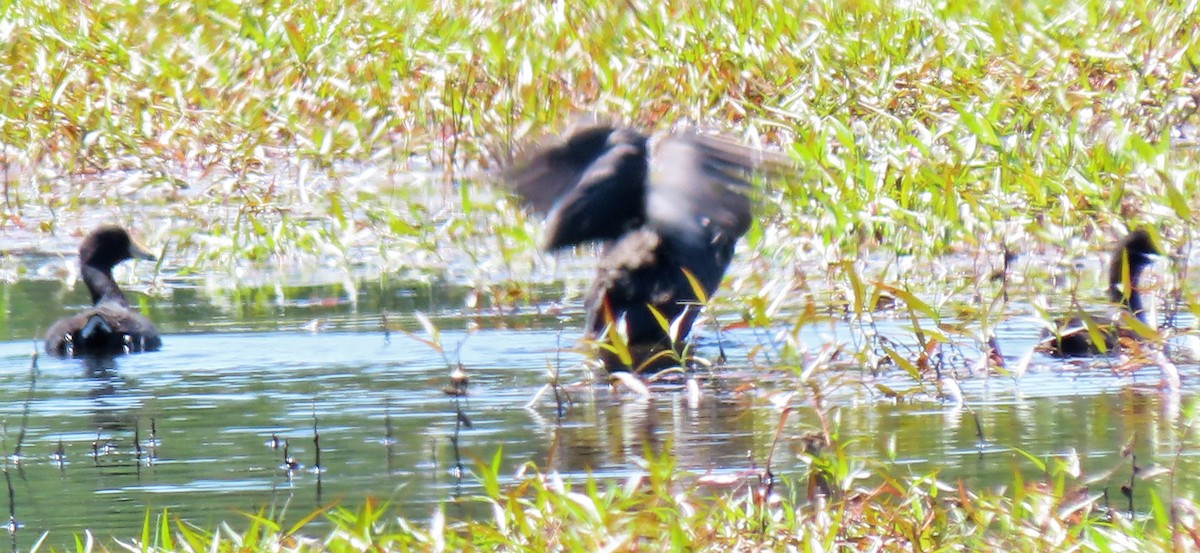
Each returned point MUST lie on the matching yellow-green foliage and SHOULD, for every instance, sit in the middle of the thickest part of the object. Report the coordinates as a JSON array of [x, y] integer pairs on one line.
[[917, 126]]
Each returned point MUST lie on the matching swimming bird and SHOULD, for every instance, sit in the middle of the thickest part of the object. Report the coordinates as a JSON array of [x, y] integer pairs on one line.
[[668, 212], [1129, 259], [108, 327]]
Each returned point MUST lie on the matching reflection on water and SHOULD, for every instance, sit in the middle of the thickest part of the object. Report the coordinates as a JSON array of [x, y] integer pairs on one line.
[[206, 427]]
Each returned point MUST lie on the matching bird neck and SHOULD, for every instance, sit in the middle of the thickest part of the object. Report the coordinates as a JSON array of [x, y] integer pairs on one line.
[[1132, 298], [101, 285]]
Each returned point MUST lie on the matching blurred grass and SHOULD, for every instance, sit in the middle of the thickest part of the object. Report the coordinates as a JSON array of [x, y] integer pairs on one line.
[[287, 137], [330, 142], [658, 508], [919, 129]]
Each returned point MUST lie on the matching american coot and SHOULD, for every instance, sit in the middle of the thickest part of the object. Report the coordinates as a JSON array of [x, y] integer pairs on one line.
[[109, 327], [1130, 258], [667, 210]]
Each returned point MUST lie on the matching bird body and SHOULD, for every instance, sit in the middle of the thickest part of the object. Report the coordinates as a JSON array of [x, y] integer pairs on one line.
[[109, 326], [667, 211], [1080, 336]]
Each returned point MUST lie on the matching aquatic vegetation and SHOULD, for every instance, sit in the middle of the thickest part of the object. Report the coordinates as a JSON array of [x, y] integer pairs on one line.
[[259, 156], [920, 130], [957, 164], [840, 503]]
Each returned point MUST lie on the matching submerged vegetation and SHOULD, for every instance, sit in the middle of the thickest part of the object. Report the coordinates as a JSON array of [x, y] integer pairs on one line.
[[945, 152]]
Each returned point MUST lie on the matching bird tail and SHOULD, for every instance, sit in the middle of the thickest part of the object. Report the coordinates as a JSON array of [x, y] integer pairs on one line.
[[95, 326]]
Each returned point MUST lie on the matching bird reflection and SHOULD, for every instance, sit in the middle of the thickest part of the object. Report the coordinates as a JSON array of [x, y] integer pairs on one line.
[[104, 366], [107, 384], [603, 432]]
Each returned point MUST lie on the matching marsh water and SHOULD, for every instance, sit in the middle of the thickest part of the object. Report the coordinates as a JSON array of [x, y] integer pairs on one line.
[[201, 428]]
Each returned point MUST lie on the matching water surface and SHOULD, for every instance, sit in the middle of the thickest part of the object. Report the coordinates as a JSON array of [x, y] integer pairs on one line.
[[200, 428]]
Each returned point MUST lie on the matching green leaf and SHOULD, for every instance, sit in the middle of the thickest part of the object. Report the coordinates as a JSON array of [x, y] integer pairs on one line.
[[978, 126], [1041, 465], [165, 540], [298, 42], [903, 363], [1177, 202], [912, 301]]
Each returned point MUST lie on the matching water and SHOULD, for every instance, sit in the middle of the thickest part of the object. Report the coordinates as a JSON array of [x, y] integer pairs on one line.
[[199, 428]]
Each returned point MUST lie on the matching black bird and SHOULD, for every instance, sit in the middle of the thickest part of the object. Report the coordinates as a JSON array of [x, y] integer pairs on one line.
[[1130, 258], [109, 327], [666, 210]]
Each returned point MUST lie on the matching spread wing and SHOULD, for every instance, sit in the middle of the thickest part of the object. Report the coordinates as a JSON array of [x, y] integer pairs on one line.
[[699, 188], [591, 183]]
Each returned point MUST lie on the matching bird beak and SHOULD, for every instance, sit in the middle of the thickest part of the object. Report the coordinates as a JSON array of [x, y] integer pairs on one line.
[[138, 251]]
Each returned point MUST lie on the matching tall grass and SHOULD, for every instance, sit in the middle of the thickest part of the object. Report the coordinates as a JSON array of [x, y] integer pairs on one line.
[[919, 129], [290, 137], [838, 505]]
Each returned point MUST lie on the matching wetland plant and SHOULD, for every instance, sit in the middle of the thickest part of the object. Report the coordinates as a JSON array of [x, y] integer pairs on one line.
[[839, 503]]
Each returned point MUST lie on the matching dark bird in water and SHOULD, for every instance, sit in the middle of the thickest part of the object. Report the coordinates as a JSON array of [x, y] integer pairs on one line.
[[1130, 258], [667, 210], [108, 327]]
